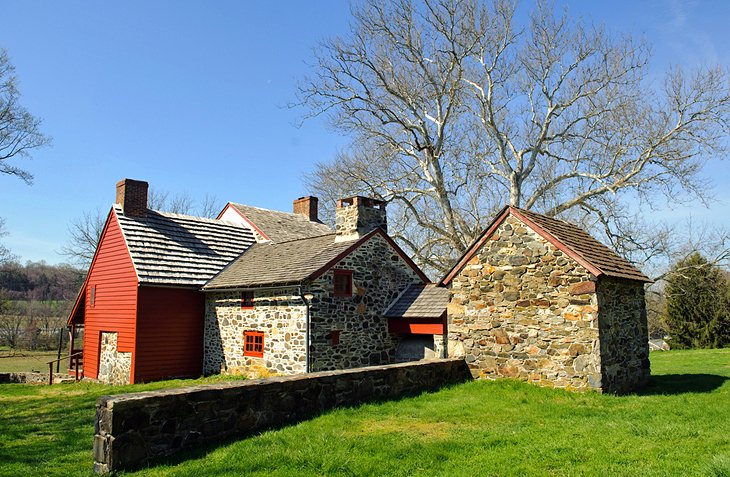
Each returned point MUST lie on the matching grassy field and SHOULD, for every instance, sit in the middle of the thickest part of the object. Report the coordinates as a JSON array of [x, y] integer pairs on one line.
[[680, 425], [12, 361]]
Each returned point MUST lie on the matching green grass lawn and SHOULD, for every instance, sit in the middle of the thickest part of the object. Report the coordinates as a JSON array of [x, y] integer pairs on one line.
[[680, 425], [12, 361]]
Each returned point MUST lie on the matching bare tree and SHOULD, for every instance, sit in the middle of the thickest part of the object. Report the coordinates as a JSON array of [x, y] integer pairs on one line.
[[454, 109], [19, 130], [84, 235]]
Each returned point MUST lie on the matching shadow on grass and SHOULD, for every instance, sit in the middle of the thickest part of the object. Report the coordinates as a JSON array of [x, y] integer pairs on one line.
[[682, 383]]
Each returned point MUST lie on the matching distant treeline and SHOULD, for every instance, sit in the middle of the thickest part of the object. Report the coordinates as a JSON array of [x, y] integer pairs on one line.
[[35, 300]]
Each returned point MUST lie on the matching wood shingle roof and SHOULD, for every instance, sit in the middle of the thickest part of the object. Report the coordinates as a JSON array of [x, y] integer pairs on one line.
[[181, 250], [281, 263], [420, 301], [281, 226]]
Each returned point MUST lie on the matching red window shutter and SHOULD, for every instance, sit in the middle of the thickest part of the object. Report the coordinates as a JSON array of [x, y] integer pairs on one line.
[[342, 283]]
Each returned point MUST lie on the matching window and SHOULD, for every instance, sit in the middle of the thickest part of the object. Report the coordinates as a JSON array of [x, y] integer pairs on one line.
[[92, 295], [253, 344], [334, 337], [247, 300], [343, 282]]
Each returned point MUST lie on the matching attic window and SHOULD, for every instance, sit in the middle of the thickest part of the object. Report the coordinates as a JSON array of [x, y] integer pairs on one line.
[[343, 283], [253, 344], [92, 295], [247, 300]]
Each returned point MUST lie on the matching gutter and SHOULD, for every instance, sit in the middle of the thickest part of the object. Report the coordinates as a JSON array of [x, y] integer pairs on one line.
[[307, 332]]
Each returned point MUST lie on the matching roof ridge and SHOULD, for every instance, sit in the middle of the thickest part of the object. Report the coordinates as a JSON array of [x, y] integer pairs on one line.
[[309, 238], [196, 218]]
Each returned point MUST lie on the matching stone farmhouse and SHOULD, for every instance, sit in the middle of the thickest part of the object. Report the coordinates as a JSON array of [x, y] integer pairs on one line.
[[171, 295], [539, 299]]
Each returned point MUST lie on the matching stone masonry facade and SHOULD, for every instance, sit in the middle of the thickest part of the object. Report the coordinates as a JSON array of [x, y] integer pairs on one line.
[[345, 332], [623, 335], [279, 314], [114, 367], [522, 309], [379, 275]]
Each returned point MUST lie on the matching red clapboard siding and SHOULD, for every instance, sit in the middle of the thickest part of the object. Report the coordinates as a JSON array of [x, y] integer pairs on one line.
[[115, 298], [169, 333]]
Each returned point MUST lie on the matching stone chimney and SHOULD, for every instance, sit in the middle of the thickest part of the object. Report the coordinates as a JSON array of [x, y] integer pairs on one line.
[[132, 196], [307, 206], [357, 216]]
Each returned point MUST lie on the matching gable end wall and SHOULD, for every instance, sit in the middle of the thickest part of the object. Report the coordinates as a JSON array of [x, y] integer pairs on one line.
[[379, 275], [521, 308]]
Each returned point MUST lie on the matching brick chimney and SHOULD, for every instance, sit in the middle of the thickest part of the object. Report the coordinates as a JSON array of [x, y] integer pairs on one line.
[[307, 206], [132, 196], [357, 216]]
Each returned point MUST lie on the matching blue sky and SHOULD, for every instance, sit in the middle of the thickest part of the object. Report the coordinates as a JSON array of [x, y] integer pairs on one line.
[[192, 97]]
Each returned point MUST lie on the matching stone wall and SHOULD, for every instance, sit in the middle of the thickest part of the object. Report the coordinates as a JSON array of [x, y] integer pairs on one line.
[[624, 335], [34, 378], [521, 308], [379, 275], [114, 367], [135, 429], [280, 314]]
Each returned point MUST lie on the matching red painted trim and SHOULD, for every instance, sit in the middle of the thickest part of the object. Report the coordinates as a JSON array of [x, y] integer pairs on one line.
[[469, 253], [359, 242], [557, 243], [253, 352], [417, 327], [246, 219]]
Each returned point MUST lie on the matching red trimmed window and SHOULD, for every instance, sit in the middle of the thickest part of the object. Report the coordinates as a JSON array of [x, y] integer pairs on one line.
[[247, 300], [343, 282], [92, 295], [253, 344]]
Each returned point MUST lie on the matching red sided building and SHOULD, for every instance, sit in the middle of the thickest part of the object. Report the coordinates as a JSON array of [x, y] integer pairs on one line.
[[140, 311]]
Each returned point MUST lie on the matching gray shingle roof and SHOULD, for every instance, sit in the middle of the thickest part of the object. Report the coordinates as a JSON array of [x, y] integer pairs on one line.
[[420, 301], [179, 249], [282, 226], [280, 263]]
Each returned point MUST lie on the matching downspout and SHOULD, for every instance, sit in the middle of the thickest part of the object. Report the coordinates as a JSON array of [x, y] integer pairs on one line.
[[307, 328]]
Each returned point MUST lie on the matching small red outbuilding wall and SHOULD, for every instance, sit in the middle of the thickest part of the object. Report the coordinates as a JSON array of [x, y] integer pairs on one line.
[[112, 306], [169, 333]]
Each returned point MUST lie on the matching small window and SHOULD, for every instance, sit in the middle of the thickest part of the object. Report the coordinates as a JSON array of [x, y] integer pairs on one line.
[[334, 337], [343, 282], [92, 295], [247, 300], [253, 344]]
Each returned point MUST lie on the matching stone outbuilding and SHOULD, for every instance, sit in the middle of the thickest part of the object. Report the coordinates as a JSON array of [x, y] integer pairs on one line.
[[310, 304], [539, 299]]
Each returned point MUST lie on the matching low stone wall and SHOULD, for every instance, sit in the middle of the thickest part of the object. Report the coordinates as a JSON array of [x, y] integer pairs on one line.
[[32, 378], [134, 429]]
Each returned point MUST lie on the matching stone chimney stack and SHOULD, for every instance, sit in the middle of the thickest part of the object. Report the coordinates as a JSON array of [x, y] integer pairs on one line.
[[357, 216], [132, 196], [307, 206]]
